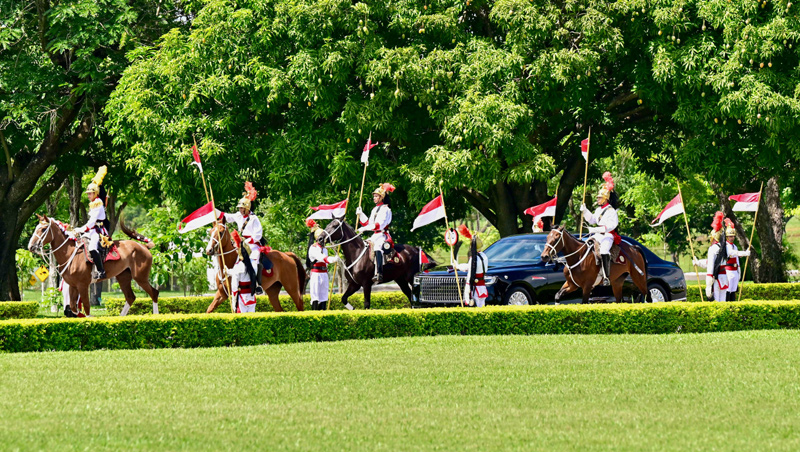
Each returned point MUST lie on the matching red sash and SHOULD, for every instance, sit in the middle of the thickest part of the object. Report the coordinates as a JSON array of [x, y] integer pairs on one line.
[[319, 267]]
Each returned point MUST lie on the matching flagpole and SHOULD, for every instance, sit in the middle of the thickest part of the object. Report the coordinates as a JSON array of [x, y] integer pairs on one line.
[[691, 247], [336, 264], [203, 176], [750, 243], [585, 176], [222, 266], [452, 255], [363, 178]]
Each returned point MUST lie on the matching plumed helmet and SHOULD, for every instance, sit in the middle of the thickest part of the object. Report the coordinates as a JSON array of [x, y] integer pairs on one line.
[[94, 187], [249, 196], [716, 227], [464, 231], [383, 189], [607, 187], [730, 229], [317, 233]]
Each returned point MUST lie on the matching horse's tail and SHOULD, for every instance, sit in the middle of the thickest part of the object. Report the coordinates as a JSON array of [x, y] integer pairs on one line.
[[301, 273], [130, 232], [644, 259]]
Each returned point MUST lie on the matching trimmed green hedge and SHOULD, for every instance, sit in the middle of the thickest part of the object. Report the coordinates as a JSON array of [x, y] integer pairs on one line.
[[18, 309], [171, 331], [773, 291], [197, 305]]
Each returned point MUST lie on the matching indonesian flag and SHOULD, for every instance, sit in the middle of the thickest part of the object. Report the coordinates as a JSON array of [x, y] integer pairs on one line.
[[367, 147], [199, 218], [585, 149], [329, 211], [196, 156], [675, 207], [746, 202], [547, 209], [432, 211]]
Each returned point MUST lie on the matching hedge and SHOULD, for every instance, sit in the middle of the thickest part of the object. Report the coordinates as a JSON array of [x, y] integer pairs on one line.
[[181, 330], [197, 305], [18, 309], [771, 291]]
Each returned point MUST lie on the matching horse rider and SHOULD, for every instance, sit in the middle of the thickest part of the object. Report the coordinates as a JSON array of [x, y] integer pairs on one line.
[[377, 223], [319, 260], [732, 263], [251, 232], [475, 292], [605, 217], [96, 226], [716, 277]]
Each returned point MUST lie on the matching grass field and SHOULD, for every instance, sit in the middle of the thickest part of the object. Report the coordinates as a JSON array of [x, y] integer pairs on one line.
[[725, 391]]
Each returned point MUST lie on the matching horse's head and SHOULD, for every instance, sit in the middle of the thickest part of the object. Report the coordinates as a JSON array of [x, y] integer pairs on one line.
[[554, 244], [218, 234], [333, 232], [42, 235]]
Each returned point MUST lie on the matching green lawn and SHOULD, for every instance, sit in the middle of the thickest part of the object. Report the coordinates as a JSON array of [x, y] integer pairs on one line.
[[725, 391]]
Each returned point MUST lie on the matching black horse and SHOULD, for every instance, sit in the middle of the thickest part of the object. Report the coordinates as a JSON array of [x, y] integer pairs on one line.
[[359, 265]]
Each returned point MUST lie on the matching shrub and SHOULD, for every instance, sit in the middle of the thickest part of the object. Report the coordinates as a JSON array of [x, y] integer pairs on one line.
[[197, 305], [18, 309], [171, 331]]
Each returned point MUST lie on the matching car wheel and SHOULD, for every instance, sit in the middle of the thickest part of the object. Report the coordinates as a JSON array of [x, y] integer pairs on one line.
[[518, 296], [657, 293]]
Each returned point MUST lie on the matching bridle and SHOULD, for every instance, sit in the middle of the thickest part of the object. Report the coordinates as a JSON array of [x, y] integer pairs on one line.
[[329, 238], [221, 273], [553, 254], [39, 249]]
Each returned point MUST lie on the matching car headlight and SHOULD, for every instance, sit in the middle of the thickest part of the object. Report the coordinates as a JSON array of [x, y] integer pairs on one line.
[[416, 280], [490, 280]]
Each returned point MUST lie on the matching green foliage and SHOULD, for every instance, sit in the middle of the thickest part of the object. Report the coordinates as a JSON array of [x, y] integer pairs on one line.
[[216, 330], [52, 297], [26, 263], [196, 305], [18, 310], [774, 291]]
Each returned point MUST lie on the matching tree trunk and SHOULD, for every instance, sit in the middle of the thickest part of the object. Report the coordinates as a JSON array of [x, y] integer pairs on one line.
[[77, 211], [569, 179], [771, 227], [9, 286], [504, 208]]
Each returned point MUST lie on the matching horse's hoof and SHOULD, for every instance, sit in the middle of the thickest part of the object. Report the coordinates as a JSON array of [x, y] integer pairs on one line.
[[349, 307]]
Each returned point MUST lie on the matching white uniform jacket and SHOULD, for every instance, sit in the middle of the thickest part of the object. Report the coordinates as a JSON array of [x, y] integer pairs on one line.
[[97, 214], [479, 279], [318, 255], [604, 217], [250, 229], [718, 288], [378, 221]]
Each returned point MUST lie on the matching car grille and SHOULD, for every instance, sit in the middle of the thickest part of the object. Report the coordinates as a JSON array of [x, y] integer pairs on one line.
[[440, 289]]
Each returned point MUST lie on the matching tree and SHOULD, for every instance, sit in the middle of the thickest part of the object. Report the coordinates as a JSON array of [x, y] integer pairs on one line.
[[59, 62]]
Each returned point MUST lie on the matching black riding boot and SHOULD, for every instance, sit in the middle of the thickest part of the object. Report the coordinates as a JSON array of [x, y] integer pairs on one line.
[[323, 305], [68, 312], [606, 258], [251, 272], [98, 264], [731, 296], [378, 267], [314, 305]]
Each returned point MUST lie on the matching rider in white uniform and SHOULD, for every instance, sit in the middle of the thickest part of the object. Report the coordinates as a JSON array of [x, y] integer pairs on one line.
[[716, 279], [732, 264], [377, 223], [475, 273], [605, 217], [250, 229], [96, 224], [319, 259]]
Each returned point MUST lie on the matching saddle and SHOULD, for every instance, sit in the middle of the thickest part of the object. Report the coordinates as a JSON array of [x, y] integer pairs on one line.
[[391, 254], [617, 256], [107, 253]]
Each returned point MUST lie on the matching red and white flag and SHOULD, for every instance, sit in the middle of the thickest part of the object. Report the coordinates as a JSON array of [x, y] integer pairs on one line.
[[329, 211], [432, 211], [585, 149], [675, 207], [367, 147], [199, 218], [196, 156], [746, 202], [547, 209]]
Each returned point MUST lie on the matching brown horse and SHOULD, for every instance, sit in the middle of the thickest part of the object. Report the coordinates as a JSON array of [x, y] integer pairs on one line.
[[134, 263], [582, 270], [287, 271], [359, 267]]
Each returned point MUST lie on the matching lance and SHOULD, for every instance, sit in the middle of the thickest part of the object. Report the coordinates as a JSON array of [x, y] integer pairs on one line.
[[585, 176], [223, 268], [750, 243], [363, 177], [336, 264], [691, 246], [453, 257]]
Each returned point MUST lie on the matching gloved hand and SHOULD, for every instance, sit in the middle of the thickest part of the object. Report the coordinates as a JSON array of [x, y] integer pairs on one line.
[[364, 229], [583, 207], [709, 285], [333, 259], [696, 262], [359, 212], [596, 230], [745, 253]]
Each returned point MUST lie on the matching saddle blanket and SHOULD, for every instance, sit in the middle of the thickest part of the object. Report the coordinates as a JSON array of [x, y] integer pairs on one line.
[[112, 255]]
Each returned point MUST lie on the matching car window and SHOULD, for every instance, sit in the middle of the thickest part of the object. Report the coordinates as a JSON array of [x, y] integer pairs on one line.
[[520, 250]]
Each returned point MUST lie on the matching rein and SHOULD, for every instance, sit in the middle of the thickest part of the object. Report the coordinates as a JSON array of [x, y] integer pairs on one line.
[[53, 250], [329, 237], [564, 259]]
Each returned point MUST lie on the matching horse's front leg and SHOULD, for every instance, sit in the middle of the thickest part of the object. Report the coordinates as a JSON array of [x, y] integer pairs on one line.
[[352, 288], [219, 297], [568, 287]]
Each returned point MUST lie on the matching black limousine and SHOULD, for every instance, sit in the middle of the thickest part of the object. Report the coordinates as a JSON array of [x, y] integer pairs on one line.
[[517, 276]]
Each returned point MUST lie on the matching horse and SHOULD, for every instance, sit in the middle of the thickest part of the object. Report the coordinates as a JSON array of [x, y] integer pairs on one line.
[[287, 271], [360, 268], [134, 263], [582, 270]]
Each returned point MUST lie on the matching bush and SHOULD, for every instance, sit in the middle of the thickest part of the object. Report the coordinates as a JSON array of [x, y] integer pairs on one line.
[[215, 330], [773, 291], [197, 305], [18, 309]]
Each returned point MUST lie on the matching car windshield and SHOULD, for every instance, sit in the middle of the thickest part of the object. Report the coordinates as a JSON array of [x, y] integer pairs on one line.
[[517, 250]]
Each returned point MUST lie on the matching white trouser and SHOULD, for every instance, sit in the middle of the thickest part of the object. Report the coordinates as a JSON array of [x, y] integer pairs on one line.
[[606, 241], [377, 241], [319, 286], [243, 306], [94, 239], [733, 280], [720, 288], [479, 297]]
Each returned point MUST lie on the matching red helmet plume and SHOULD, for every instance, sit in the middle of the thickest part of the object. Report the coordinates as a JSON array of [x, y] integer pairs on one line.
[[463, 231], [609, 185], [310, 222], [250, 191], [716, 225], [387, 187]]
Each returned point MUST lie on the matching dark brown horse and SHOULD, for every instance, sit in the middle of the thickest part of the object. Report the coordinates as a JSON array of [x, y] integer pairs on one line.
[[287, 271], [134, 263], [582, 270], [360, 268]]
